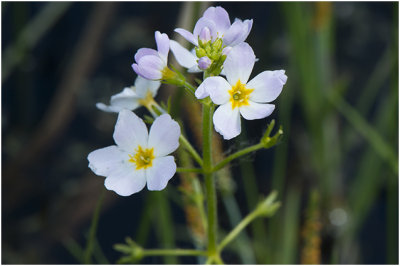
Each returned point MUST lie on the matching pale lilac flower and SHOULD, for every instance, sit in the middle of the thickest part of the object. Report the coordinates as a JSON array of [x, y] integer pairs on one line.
[[132, 97], [215, 20], [213, 25], [139, 157], [236, 96], [152, 64]]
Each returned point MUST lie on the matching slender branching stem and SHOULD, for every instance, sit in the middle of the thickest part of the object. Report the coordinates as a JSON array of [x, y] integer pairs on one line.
[[209, 180], [189, 87], [235, 232], [191, 150], [235, 155], [174, 252]]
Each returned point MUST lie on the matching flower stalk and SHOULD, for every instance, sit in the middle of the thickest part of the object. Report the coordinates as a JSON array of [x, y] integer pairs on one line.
[[134, 252], [209, 180], [264, 209]]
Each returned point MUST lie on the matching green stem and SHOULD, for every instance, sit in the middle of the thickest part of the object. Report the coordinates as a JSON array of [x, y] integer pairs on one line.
[[216, 259], [234, 233], [174, 252], [190, 87], [189, 170], [191, 150], [237, 154], [93, 229], [209, 180]]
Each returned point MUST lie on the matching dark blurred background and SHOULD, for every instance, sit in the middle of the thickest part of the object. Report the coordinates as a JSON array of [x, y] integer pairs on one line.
[[336, 169]]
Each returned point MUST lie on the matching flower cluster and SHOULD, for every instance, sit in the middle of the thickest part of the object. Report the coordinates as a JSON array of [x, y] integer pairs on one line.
[[219, 49]]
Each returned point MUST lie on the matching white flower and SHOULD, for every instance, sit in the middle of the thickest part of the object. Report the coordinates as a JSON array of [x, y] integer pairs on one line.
[[237, 96], [139, 157], [132, 97]]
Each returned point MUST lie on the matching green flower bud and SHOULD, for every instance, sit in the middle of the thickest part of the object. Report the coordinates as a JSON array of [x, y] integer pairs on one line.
[[215, 55], [268, 206], [268, 140], [208, 49], [200, 52], [217, 45]]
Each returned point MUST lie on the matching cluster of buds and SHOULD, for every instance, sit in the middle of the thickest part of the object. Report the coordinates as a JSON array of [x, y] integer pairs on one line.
[[210, 56]]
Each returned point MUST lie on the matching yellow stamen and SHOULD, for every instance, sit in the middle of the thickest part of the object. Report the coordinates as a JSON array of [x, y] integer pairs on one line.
[[147, 101], [240, 95], [143, 158]]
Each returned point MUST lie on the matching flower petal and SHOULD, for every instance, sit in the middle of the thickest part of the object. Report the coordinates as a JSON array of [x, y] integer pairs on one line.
[[162, 41], [108, 108], [126, 180], [217, 88], [143, 52], [164, 135], [238, 32], [239, 63], [130, 131], [256, 110], [205, 34], [201, 91], [194, 69], [160, 173], [142, 86], [267, 85], [127, 99], [150, 67], [202, 23], [227, 121], [187, 35], [184, 57], [220, 17], [104, 161]]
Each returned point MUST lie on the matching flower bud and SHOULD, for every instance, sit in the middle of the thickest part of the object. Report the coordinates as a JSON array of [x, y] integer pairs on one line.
[[268, 206], [215, 55], [217, 45], [204, 62], [200, 52], [205, 35], [208, 48], [269, 140]]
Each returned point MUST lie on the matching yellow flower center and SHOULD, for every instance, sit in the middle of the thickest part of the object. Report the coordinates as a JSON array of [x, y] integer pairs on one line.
[[239, 95], [143, 158], [147, 101]]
